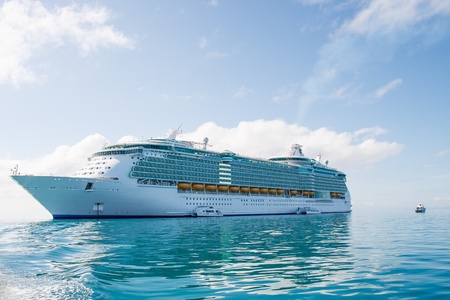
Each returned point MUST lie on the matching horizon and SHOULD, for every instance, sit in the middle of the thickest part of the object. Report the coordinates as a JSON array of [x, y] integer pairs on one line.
[[364, 84]]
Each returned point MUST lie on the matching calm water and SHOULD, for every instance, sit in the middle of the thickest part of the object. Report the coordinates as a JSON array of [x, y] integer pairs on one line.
[[379, 255]]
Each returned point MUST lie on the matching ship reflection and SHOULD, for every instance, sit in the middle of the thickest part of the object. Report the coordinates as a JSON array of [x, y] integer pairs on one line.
[[259, 255]]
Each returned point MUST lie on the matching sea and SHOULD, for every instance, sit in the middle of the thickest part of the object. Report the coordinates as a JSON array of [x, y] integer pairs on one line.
[[379, 254]]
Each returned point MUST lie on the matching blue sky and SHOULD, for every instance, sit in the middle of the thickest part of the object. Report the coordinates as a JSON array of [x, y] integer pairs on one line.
[[364, 83]]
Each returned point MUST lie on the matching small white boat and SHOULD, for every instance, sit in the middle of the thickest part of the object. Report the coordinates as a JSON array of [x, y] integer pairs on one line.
[[307, 211], [206, 211], [420, 208]]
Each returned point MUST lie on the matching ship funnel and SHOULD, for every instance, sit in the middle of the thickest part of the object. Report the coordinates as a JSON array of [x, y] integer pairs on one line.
[[173, 133]]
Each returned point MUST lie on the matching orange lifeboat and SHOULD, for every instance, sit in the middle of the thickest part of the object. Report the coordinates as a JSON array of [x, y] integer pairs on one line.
[[272, 191], [280, 191], [305, 193], [311, 193], [184, 185], [263, 190], [293, 192], [234, 189], [222, 188], [244, 189], [254, 190], [211, 187], [198, 187]]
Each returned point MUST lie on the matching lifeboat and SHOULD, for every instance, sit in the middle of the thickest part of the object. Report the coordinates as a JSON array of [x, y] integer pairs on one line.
[[184, 185], [234, 189], [293, 192], [198, 187], [280, 191], [305, 193], [272, 191], [254, 190], [263, 190], [211, 187], [311, 193], [244, 189], [222, 188], [338, 195]]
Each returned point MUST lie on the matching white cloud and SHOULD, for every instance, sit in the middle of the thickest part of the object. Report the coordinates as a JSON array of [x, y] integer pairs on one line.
[[215, 54], [263, 139], [202, 42], [386, 88], [127, 139], [213, 2], [443, 153], [285, 93], [346, 151], [242, 92], [314, 2], [371, 37], [65, 160], [27, 26], [387, 16]]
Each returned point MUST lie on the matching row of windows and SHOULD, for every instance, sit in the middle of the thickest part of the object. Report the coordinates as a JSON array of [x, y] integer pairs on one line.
[[175, 177], [206, 168], [294, 182], [117, 152], [162, 168], [182, 161]]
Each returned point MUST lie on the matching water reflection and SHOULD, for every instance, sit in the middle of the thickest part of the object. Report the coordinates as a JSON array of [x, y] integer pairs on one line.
[[250, 254], [195, 256]]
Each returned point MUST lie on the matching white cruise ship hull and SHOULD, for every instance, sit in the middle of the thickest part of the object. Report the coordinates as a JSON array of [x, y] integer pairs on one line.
[[77, 197]]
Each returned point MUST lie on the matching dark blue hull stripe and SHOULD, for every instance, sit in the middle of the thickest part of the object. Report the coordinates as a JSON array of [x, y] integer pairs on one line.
[[151, 216]]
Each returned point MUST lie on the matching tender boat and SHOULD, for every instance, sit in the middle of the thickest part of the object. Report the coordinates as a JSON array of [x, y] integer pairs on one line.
[[420, 208], [206, 211], [307, 211]]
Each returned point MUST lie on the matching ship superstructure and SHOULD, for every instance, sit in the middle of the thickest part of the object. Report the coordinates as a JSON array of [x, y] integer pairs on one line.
[[168, 178]]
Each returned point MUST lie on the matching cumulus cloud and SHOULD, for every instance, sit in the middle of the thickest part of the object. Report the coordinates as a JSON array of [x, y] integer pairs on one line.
[[260, 138], [65, 160], [263, 139], [346, 151], [371, 37], [27, 26]]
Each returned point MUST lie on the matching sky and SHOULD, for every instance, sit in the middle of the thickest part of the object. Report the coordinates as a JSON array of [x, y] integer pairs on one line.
[[364, 83]]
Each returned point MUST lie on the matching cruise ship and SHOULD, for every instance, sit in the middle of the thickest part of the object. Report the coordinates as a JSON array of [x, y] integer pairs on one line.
[[166, 177]]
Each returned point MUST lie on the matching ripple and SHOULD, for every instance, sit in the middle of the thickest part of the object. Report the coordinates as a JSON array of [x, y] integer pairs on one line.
[[294, 256]]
